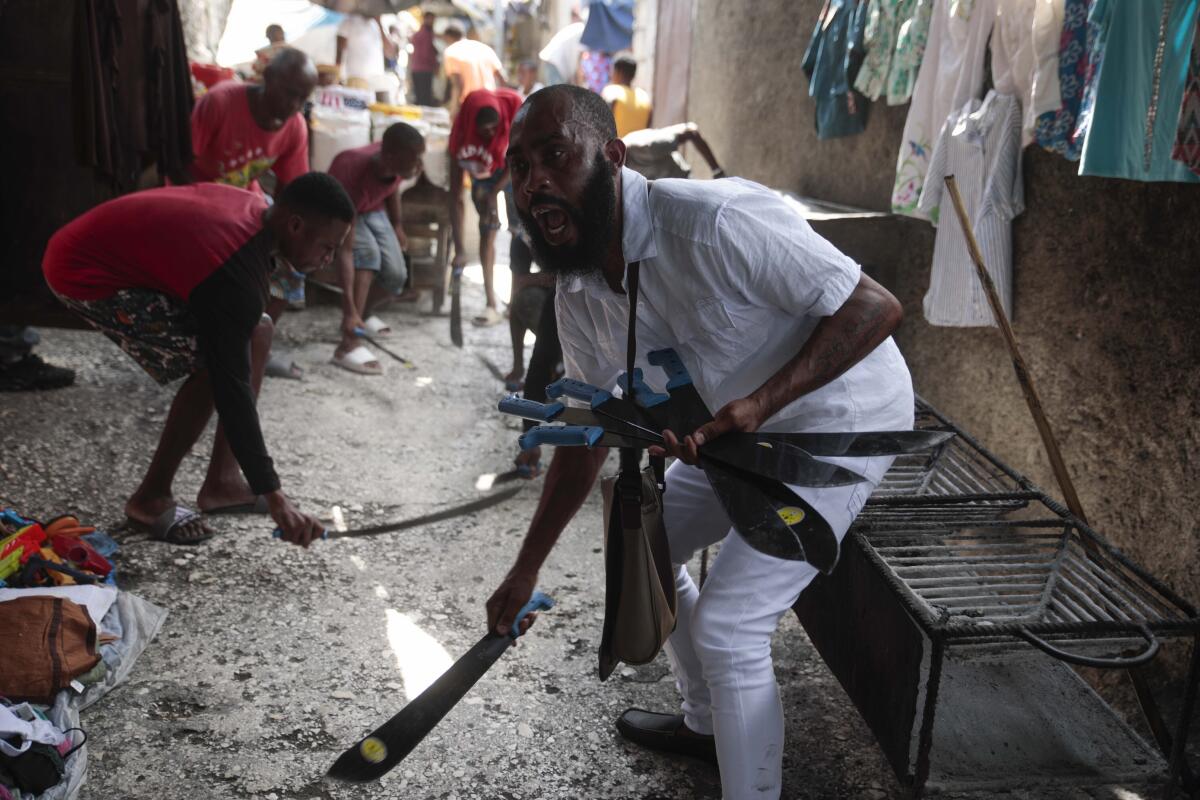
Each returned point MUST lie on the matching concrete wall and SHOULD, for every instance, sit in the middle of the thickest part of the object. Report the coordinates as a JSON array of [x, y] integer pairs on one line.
[[1107, 287]]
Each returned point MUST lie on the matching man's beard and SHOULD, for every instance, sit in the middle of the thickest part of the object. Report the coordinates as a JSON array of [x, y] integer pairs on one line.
[[593, 223]]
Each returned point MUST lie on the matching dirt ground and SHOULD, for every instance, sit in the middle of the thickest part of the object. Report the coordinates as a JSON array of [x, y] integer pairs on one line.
[[274, 659]]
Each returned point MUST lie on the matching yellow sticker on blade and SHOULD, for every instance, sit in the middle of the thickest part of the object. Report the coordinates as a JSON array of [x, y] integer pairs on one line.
[[373, 749], [790, 515]]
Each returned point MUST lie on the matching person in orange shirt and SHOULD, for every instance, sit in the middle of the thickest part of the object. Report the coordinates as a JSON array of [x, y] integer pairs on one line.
[[631, 107], [469, 66]]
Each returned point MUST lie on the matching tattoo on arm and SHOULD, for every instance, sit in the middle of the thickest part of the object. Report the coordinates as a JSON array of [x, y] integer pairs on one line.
[[836, 344], [837, 354]]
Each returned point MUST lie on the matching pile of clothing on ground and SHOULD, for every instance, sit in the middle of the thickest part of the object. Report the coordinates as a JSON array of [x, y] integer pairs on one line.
[[69, 636]]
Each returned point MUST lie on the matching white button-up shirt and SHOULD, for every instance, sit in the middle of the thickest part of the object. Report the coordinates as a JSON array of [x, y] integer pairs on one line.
[[735, 281]]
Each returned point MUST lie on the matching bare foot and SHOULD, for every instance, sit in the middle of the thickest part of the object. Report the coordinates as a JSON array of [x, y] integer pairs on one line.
[[222, 494], [147, 510]]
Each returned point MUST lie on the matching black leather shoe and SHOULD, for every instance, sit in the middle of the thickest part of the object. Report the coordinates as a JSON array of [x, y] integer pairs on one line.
[[666, 732]]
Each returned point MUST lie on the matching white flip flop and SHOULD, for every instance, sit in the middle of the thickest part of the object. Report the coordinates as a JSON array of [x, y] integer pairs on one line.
[[358, 361], [377, 327]]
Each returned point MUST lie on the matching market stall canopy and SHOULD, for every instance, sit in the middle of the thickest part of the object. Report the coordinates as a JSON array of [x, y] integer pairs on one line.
[[306, 27], [609, 26]]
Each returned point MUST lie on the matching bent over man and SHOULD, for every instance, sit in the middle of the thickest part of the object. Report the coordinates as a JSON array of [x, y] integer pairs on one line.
[[779, 330], [177, 277], [372, 266]]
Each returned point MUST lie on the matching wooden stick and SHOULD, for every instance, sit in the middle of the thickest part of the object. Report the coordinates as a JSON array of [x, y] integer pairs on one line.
[[1023, 377], [1145, 698]]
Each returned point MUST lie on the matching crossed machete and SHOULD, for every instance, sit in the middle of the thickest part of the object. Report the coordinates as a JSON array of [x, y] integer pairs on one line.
[[749, 472]]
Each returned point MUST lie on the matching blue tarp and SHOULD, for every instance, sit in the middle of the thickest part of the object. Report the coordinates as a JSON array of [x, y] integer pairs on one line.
[[609, 26]]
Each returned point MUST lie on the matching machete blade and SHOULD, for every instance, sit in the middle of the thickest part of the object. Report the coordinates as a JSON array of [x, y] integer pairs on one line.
[[456, 333], [772, 518], [436, 516], [387, 745], [850, 445], [780, 461]]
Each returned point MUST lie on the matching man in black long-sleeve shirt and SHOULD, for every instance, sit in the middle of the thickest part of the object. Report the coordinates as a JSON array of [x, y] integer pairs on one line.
[[178, 277]]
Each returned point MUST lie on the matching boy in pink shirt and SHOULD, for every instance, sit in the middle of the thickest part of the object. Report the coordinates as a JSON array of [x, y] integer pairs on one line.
[[372, 266]]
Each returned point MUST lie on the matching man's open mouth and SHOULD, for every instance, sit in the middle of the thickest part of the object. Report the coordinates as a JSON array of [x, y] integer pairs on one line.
[[554, 222]]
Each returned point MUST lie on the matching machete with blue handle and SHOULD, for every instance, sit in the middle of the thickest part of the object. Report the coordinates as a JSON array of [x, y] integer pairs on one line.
[[561, 435], [770, 517], [557, 412], [386, 746], [630, 417]]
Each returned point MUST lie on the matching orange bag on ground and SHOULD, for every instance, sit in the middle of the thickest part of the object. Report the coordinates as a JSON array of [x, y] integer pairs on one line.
[[45, 643]]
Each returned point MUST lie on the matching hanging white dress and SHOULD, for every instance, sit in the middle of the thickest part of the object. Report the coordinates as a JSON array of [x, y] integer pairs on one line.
[[980, 145], [951, 74]]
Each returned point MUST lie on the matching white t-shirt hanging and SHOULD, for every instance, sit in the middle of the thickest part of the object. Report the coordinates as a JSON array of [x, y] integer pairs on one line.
[[980, 145], [1025, 46]]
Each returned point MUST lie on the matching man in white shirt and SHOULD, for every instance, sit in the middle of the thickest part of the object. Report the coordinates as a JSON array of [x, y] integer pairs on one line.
[[360, 52], [469, 65], [779, 330]]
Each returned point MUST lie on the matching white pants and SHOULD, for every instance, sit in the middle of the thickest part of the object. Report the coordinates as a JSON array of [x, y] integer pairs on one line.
[[721, 648]]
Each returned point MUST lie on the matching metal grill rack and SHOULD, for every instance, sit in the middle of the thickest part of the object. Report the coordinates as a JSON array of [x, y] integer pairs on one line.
[[961, 480], [1010, 582], [953, 625], [990, 588]]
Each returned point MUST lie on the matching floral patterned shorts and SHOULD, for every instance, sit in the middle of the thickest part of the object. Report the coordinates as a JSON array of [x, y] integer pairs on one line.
[[157, 331]]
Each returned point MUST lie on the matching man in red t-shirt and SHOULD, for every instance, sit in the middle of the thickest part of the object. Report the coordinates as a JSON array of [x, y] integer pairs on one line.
[[177, 277], [424, 61], [478, 141], [242, 130], [372, 265]]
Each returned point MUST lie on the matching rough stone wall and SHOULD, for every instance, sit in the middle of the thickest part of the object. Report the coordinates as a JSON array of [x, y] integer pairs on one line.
[[1107, 284]]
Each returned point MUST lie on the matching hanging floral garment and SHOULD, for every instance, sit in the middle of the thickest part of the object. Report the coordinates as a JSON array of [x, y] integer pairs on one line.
[[1139, 89], [951, 73], [895, 41], [1187, 136], [1056, 129]]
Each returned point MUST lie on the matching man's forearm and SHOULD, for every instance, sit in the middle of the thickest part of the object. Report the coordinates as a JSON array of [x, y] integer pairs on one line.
[[569, 480], [837, 343], [345, 258], [706, 152], [394, 210]]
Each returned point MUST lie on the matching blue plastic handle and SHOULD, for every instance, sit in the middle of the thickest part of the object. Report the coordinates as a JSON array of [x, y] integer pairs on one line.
[[672, 364], [642, 394], [360, 332], [278, 534], [530, 409], [539, 601], [577, 390], [563, 435]]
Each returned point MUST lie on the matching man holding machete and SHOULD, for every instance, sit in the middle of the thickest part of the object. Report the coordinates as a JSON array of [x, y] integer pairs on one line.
[[779, 331]]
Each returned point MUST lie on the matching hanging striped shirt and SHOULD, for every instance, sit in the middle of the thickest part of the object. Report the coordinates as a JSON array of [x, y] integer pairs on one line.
[[980, 144]]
